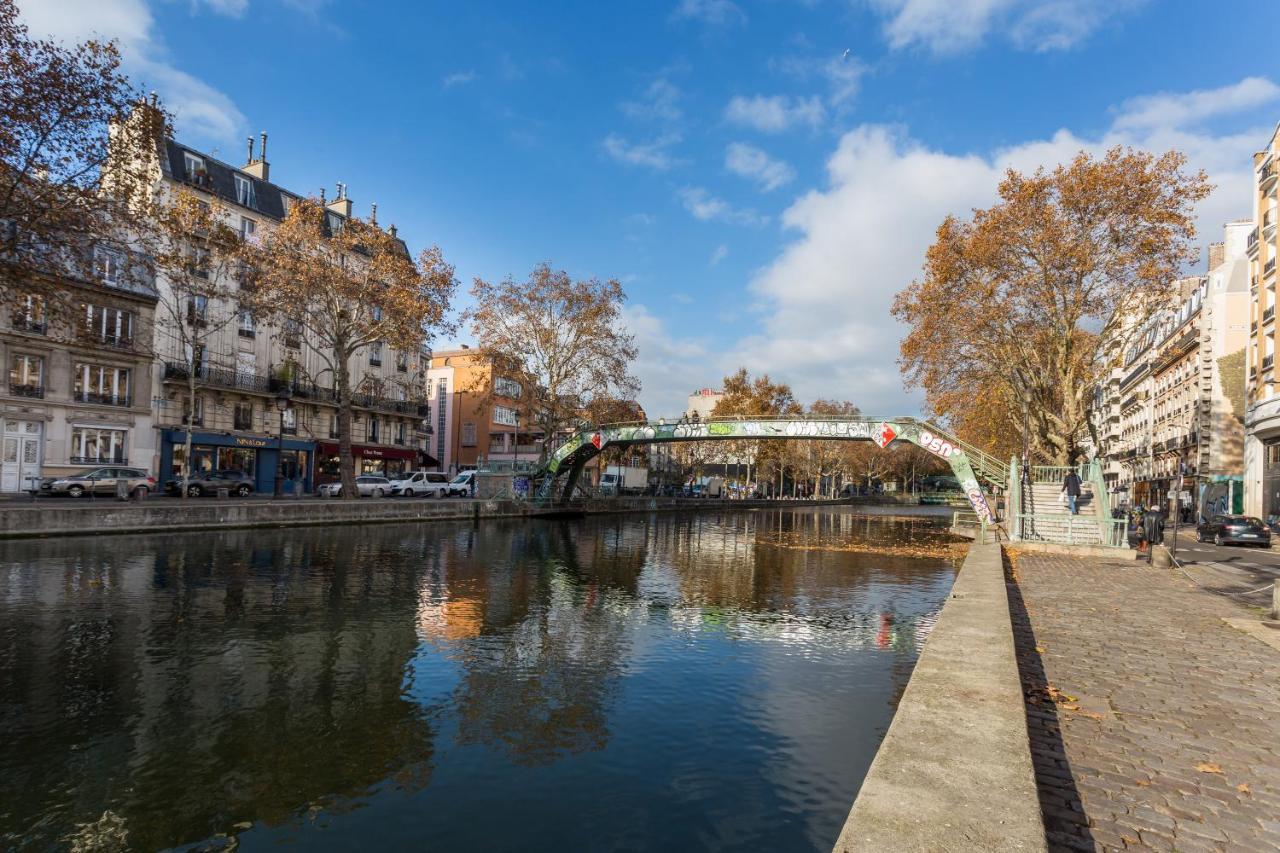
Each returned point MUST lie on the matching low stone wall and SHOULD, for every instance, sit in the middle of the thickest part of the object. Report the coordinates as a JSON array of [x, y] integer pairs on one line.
[[954, 771], [65, 517], [49, 518]]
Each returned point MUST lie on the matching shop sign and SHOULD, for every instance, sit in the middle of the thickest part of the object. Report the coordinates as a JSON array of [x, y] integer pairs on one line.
[[250, 442]]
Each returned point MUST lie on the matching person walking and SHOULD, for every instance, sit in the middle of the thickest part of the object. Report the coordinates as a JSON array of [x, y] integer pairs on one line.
[[1071, 488]]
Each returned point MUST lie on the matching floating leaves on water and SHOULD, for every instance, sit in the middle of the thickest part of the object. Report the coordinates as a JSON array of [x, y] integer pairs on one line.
[[930, 543], [1209, 767], [1243, 788]]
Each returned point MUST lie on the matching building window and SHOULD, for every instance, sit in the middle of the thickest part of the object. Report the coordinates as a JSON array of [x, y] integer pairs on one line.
[[335, 223], [195, 169], [102, 384], [468, 435], [94, 445], [111, 326], [248, 229], [505, 416], [244, 192], [291, 330], [28, 315], [400, 433], [375, 354], [333, 426], [376, 313], [442, 408], [402, 362], [108, 264], [244, 416], [26, 376], [504, 387], [198, 418], [197, 310], [248, 328], [289, 421], [373, 429], [246, 369]]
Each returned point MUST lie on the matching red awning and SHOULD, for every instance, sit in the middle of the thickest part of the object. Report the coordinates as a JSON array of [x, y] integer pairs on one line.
[[367, 451]]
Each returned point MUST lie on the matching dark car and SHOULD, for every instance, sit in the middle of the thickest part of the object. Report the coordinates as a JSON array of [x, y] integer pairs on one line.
[[236, 482], [1234, 530]]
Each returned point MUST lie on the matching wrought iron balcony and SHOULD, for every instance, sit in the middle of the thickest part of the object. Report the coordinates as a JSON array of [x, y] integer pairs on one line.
[[26, 390], [99, 399], [23, 323], [1268, 361], [1269, 315], [1269, 268]]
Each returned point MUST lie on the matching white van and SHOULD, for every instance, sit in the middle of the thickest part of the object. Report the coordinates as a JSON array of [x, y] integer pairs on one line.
[[461, 485], [431, 484]]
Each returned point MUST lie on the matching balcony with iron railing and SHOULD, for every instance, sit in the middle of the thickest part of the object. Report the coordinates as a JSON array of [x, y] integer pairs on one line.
[[1253, 241], [1268, 315], [299, 389], [1268, 268], [1268, 361], [22, 323], [26, 390], [101, 399], [1267, 177]]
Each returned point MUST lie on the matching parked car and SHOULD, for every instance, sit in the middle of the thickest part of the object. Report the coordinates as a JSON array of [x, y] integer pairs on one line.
[[237, 483], [460, 486], [367, 486], [432, 484], [98, 481], [1234, 530]]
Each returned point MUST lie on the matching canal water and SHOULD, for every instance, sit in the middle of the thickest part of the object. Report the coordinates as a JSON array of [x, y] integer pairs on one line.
[[705, 681]]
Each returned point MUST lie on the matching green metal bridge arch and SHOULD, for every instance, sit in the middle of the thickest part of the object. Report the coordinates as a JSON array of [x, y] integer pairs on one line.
[[969, 464]]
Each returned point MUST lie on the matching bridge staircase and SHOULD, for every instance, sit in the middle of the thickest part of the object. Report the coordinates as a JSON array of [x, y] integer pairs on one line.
[[1045, 517]]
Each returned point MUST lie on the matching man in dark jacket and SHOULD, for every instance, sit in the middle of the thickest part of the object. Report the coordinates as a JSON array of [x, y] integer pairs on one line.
[[1071, 486]]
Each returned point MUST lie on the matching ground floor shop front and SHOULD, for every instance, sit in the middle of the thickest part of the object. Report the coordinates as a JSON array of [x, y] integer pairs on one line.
[[369, 459], [45, 439], [259, 456]]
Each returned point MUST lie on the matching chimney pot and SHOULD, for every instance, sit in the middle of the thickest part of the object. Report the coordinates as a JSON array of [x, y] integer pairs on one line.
[[392, 230], [250, 158], [322, 195], [264, 146], [373, 213]]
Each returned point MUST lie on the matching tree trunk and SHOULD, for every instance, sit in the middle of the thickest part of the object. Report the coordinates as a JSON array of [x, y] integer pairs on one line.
[[346, 460], [191, 414]]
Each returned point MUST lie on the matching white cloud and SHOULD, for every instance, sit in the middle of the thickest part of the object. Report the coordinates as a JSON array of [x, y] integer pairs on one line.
[[230, 8], [666, 362], [458, 78], [842, 74], [660, 102], [713, 12], [823, 302], [708, 208], [775, 113], [199, 109], [951, 26], [751, 162], [721, 252], [654, 155], [1188, 108]]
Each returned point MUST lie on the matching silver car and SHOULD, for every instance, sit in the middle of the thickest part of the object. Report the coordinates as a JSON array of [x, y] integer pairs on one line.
[[367, 486], [98, 481]]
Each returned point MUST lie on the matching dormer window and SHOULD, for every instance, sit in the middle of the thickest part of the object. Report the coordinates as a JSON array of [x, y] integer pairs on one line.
[[244, 192], [335, 223], [193, 164], [108, 264]]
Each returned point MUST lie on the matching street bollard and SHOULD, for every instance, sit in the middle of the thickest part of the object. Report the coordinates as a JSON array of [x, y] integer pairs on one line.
[[1160, 557], [1275, 600], [223, 494], [122, 489]]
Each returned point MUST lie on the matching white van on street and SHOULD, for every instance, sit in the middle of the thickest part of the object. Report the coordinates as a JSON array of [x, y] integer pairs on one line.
[[431, 484]]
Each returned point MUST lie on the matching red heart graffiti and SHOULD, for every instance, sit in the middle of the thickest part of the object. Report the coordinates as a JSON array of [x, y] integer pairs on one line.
[[597, 440], [887, 435]]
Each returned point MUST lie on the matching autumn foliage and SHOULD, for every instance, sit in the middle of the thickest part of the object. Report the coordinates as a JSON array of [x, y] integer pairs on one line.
[[1016, 303]]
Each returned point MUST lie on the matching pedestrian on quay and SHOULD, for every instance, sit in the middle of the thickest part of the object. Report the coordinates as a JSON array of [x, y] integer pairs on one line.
[[1071, 488], [1153, 526]]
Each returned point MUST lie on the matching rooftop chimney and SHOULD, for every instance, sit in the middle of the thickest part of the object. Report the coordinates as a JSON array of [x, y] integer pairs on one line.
[[341, 204], [1217, 254], [373, 213], [392, 230], [259, 168]]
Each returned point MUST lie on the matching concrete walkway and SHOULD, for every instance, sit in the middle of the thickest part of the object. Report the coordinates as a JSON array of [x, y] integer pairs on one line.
[[1153, 723]]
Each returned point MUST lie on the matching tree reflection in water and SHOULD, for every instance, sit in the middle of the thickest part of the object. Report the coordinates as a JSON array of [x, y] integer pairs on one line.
[[182, 687]]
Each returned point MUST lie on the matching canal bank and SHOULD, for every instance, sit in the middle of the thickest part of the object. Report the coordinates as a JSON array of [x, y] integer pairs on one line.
[[954, 771], [64, 517]]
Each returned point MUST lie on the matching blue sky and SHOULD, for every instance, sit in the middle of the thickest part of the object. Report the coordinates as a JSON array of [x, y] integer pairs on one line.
[[762, 177]]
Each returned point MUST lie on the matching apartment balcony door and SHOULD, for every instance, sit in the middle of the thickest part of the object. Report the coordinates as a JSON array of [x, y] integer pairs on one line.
[[20, 455]]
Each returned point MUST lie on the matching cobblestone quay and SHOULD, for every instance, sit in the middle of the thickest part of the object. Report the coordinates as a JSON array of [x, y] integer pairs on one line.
[[1153, 724]]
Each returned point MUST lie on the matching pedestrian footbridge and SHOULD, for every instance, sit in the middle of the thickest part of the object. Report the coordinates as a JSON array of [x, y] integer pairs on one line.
[[972, 467]]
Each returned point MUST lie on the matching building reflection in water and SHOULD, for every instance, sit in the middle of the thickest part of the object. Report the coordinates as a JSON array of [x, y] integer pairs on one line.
[[399, 681]]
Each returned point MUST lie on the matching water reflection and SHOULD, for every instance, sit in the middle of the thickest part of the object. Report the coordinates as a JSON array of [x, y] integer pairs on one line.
[[626, 681]]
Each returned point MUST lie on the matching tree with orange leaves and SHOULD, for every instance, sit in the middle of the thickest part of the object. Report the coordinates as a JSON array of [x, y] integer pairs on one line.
[[1028, 298], [348, 285]]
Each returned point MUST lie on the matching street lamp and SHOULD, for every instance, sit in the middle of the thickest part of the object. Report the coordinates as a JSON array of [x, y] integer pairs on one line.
[[282, 406]]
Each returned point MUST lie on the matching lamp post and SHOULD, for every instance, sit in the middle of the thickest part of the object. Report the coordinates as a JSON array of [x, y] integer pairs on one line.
[[282, 406]]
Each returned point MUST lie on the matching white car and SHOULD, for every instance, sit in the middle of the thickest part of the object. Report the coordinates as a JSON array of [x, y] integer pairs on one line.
[[461, 485], [367, 486], [432, 484]]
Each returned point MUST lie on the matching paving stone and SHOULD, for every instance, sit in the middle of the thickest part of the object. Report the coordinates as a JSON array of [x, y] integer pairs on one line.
[[1176, 688]]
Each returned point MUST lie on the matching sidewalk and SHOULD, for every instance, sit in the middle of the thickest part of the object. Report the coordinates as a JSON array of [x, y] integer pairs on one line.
[[1153, 724]]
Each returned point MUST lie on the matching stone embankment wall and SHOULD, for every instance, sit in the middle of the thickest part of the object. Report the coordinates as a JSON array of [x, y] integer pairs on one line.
[[66, 517], [954, 770]]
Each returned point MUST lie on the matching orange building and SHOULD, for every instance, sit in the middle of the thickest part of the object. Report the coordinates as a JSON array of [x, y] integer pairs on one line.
[[479, 419]]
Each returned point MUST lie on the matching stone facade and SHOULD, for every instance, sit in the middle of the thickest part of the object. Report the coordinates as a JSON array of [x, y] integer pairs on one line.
[[1262, 419]]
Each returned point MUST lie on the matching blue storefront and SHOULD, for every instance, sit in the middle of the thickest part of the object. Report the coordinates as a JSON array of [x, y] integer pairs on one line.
[[258, 456]]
